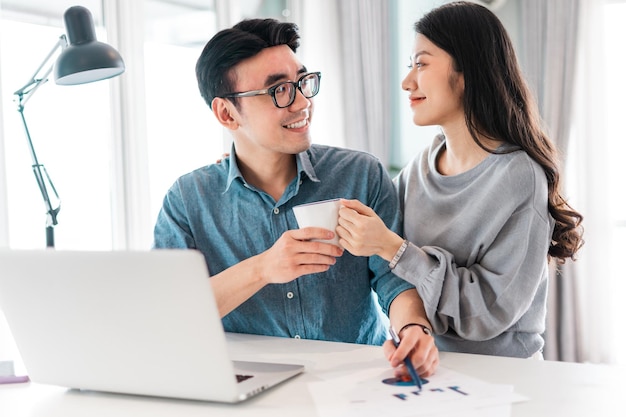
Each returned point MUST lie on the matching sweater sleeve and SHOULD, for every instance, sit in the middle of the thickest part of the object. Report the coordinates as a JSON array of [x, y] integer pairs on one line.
[[482, 300]]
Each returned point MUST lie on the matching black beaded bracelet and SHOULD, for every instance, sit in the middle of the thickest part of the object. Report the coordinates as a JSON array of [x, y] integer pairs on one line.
[[425, 329]]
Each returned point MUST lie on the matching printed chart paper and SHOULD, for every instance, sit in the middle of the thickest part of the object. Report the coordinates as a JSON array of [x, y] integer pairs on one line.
[[377, 392]]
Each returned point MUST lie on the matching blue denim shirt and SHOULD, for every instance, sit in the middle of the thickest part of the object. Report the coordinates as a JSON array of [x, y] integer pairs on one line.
[[214, 210]]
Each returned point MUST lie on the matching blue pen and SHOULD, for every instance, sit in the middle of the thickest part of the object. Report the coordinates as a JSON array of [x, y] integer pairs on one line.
[[407, 361]]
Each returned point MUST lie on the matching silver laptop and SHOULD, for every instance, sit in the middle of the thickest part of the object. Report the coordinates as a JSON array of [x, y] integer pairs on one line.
[[132, 322]]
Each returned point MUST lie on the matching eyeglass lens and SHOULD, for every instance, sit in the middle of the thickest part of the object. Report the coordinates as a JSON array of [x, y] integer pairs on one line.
[[285, 93]]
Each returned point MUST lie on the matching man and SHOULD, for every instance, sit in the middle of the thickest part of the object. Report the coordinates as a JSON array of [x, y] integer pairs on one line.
[[269, 277]]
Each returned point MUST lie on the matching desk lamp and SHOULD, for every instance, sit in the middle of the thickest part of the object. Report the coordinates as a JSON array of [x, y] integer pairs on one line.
[[83, 60]]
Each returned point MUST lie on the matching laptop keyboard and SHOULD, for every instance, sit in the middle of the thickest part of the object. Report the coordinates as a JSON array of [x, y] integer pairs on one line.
[[241, 378]]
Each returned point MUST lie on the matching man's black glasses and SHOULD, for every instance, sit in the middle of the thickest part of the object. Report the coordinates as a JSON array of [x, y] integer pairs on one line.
[[284, 94]]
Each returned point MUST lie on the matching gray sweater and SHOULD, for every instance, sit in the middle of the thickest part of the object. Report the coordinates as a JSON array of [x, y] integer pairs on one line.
[[478, 251]]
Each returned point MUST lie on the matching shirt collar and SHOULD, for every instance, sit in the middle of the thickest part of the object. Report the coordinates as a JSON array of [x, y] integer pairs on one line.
[[303, 161], [233, 169], [305, 165]]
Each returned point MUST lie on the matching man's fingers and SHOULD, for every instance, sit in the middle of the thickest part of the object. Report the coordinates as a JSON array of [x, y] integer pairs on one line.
[[309, 241]]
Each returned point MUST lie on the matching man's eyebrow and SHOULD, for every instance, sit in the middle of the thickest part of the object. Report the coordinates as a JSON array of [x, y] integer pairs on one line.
[[274, 78]]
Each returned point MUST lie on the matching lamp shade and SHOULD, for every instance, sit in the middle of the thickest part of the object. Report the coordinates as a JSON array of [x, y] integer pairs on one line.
[[85, 59]]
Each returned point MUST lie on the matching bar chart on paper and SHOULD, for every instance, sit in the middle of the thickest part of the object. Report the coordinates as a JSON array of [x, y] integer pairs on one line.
[[377, 392], [398, 382]]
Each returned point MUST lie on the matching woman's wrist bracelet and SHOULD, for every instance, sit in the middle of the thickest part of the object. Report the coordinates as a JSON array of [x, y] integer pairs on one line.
[[398, 254], [425, 328]]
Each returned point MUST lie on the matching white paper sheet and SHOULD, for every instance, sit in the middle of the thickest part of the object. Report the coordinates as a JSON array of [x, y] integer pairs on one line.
[[446, 393]]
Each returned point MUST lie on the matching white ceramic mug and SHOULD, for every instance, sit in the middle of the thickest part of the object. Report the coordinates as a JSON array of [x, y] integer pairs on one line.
[[319, 214]]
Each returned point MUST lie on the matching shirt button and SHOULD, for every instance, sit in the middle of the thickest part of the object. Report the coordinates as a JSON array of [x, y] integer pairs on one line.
[[297, 336], [290, 295], [276, 210]]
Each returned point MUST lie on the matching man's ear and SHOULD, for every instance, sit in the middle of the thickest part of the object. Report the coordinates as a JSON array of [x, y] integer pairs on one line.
[[225, 112]]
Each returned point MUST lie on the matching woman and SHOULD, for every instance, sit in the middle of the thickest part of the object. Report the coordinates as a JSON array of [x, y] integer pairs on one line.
[[483, 214]]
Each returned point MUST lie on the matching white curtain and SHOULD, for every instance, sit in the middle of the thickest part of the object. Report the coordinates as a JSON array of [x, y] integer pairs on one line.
[[365, 39], [321, 51], [558, 50], [589, 186], [549, 53], [352, 51]]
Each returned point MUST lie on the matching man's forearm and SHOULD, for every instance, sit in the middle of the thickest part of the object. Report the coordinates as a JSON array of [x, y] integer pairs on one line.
[[233, 286]]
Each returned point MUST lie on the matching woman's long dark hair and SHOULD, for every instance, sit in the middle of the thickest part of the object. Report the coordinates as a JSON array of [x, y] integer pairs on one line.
[[498, 103]]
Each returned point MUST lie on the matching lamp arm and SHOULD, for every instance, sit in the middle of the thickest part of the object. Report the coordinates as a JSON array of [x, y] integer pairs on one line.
[[42, 178], [41, 174], [33, 83]]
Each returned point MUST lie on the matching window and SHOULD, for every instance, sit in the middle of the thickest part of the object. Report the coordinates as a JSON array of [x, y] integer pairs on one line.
[[182, 133], [71, 126], [70, 130]]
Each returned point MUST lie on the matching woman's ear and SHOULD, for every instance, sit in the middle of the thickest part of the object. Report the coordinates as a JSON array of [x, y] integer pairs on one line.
[[224, 111]]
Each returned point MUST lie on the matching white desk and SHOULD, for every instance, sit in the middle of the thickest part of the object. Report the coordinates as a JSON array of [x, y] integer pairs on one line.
[[554, 388]]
